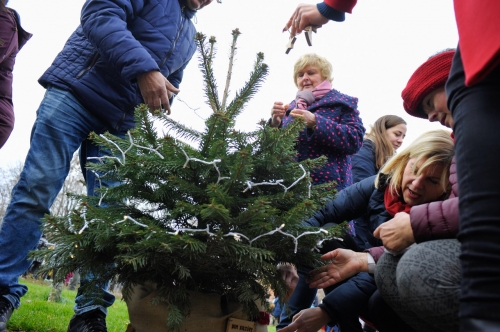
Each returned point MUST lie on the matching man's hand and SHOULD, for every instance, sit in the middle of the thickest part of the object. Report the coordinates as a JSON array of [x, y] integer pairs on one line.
[[308, 117], [308, 320], [345, 263], [156, 90], [396, 234], [289, 274], [303, 16]]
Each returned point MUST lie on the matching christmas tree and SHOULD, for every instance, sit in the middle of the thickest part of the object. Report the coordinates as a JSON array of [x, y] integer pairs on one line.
[[211, 211]]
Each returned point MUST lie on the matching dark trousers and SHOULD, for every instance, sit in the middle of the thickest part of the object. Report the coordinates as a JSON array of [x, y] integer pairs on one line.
[[476, 112]]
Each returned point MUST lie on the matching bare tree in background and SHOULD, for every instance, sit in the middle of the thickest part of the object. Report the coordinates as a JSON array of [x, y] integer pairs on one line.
[[74, 184], [62, 205], [8, 180]]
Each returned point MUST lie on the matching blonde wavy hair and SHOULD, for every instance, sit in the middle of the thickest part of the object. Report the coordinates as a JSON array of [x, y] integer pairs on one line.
[[434, 147], [313, 60]]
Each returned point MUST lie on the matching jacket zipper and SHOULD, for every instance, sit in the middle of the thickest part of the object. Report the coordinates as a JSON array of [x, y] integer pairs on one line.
[[92, 63], [175, 40]]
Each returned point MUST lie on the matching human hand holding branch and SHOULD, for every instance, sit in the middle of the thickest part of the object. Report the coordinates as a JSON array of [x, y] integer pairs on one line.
[[156, 91]]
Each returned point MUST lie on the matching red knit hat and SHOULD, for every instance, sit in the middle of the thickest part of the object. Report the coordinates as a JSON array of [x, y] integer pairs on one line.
[[431, 75]]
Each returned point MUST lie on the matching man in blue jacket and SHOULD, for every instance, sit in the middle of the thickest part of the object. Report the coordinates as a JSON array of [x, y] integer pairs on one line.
[[125, 52]]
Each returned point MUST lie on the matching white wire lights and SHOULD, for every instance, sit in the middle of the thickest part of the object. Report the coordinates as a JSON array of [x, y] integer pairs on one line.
[[214, 163], [235, 235], [250, 185]]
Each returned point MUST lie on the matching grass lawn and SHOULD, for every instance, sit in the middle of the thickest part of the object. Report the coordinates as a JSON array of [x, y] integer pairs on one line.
[[38, 315]]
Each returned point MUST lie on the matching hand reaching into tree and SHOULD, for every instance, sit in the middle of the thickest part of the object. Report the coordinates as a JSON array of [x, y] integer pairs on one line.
[[308, 117], [345, 263]]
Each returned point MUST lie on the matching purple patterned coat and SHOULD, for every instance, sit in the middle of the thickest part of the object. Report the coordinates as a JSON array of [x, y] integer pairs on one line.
[[338, 135]]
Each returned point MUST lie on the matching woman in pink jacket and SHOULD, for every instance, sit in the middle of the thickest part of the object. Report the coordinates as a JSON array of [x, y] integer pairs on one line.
[[12, 39]]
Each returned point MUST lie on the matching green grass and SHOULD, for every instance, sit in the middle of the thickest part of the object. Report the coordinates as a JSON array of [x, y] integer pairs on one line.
[[38, 315]]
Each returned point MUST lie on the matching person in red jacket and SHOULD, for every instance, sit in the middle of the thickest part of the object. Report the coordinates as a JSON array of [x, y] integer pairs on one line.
[[474, 102]]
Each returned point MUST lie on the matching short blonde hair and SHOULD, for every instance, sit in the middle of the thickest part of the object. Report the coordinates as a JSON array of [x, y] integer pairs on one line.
[[314, 60], [435, 147]]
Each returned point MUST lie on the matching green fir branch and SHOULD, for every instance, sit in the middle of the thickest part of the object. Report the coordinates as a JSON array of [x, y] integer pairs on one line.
[[205, 56]]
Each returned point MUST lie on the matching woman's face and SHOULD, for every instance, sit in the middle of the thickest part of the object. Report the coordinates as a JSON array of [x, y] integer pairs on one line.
[[308, 78], [396, 135], [434, 105], [424, 188]]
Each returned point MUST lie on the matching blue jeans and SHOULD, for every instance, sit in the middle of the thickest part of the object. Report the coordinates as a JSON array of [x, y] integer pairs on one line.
[[62, 124]]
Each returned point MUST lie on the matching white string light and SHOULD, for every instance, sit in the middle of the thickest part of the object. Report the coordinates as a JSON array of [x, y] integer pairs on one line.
[[214, 163], [141, 147], [235, 235], [123, 153], [100, 186], [251, 184]]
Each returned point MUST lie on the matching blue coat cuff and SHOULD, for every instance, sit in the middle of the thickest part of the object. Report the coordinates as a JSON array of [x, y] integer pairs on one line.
[[331, 13]]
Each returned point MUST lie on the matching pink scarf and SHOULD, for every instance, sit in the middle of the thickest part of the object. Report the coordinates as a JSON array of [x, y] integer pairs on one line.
[[305, 98]]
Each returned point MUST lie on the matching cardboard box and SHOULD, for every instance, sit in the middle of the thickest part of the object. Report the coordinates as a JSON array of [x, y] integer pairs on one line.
[[234, 325]]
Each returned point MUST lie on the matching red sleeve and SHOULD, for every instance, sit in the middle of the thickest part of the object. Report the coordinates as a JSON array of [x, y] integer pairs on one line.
[[478, 27], [376, 252], [342, 5], [435, 220]]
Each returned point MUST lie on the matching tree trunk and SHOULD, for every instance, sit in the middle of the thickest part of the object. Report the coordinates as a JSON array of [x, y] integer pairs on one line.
[[55, 292]]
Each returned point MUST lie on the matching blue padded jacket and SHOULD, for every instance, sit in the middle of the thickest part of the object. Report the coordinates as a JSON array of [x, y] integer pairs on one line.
[[116, 41], [361, 200]]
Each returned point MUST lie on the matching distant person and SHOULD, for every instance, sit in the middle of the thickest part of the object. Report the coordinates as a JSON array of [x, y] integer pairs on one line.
[[277, 309], [380, 143], [333, 129], [12, 39], [123, 53]]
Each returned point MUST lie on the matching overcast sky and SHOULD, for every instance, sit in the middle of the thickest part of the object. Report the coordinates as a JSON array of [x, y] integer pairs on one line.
[[373, 54]]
